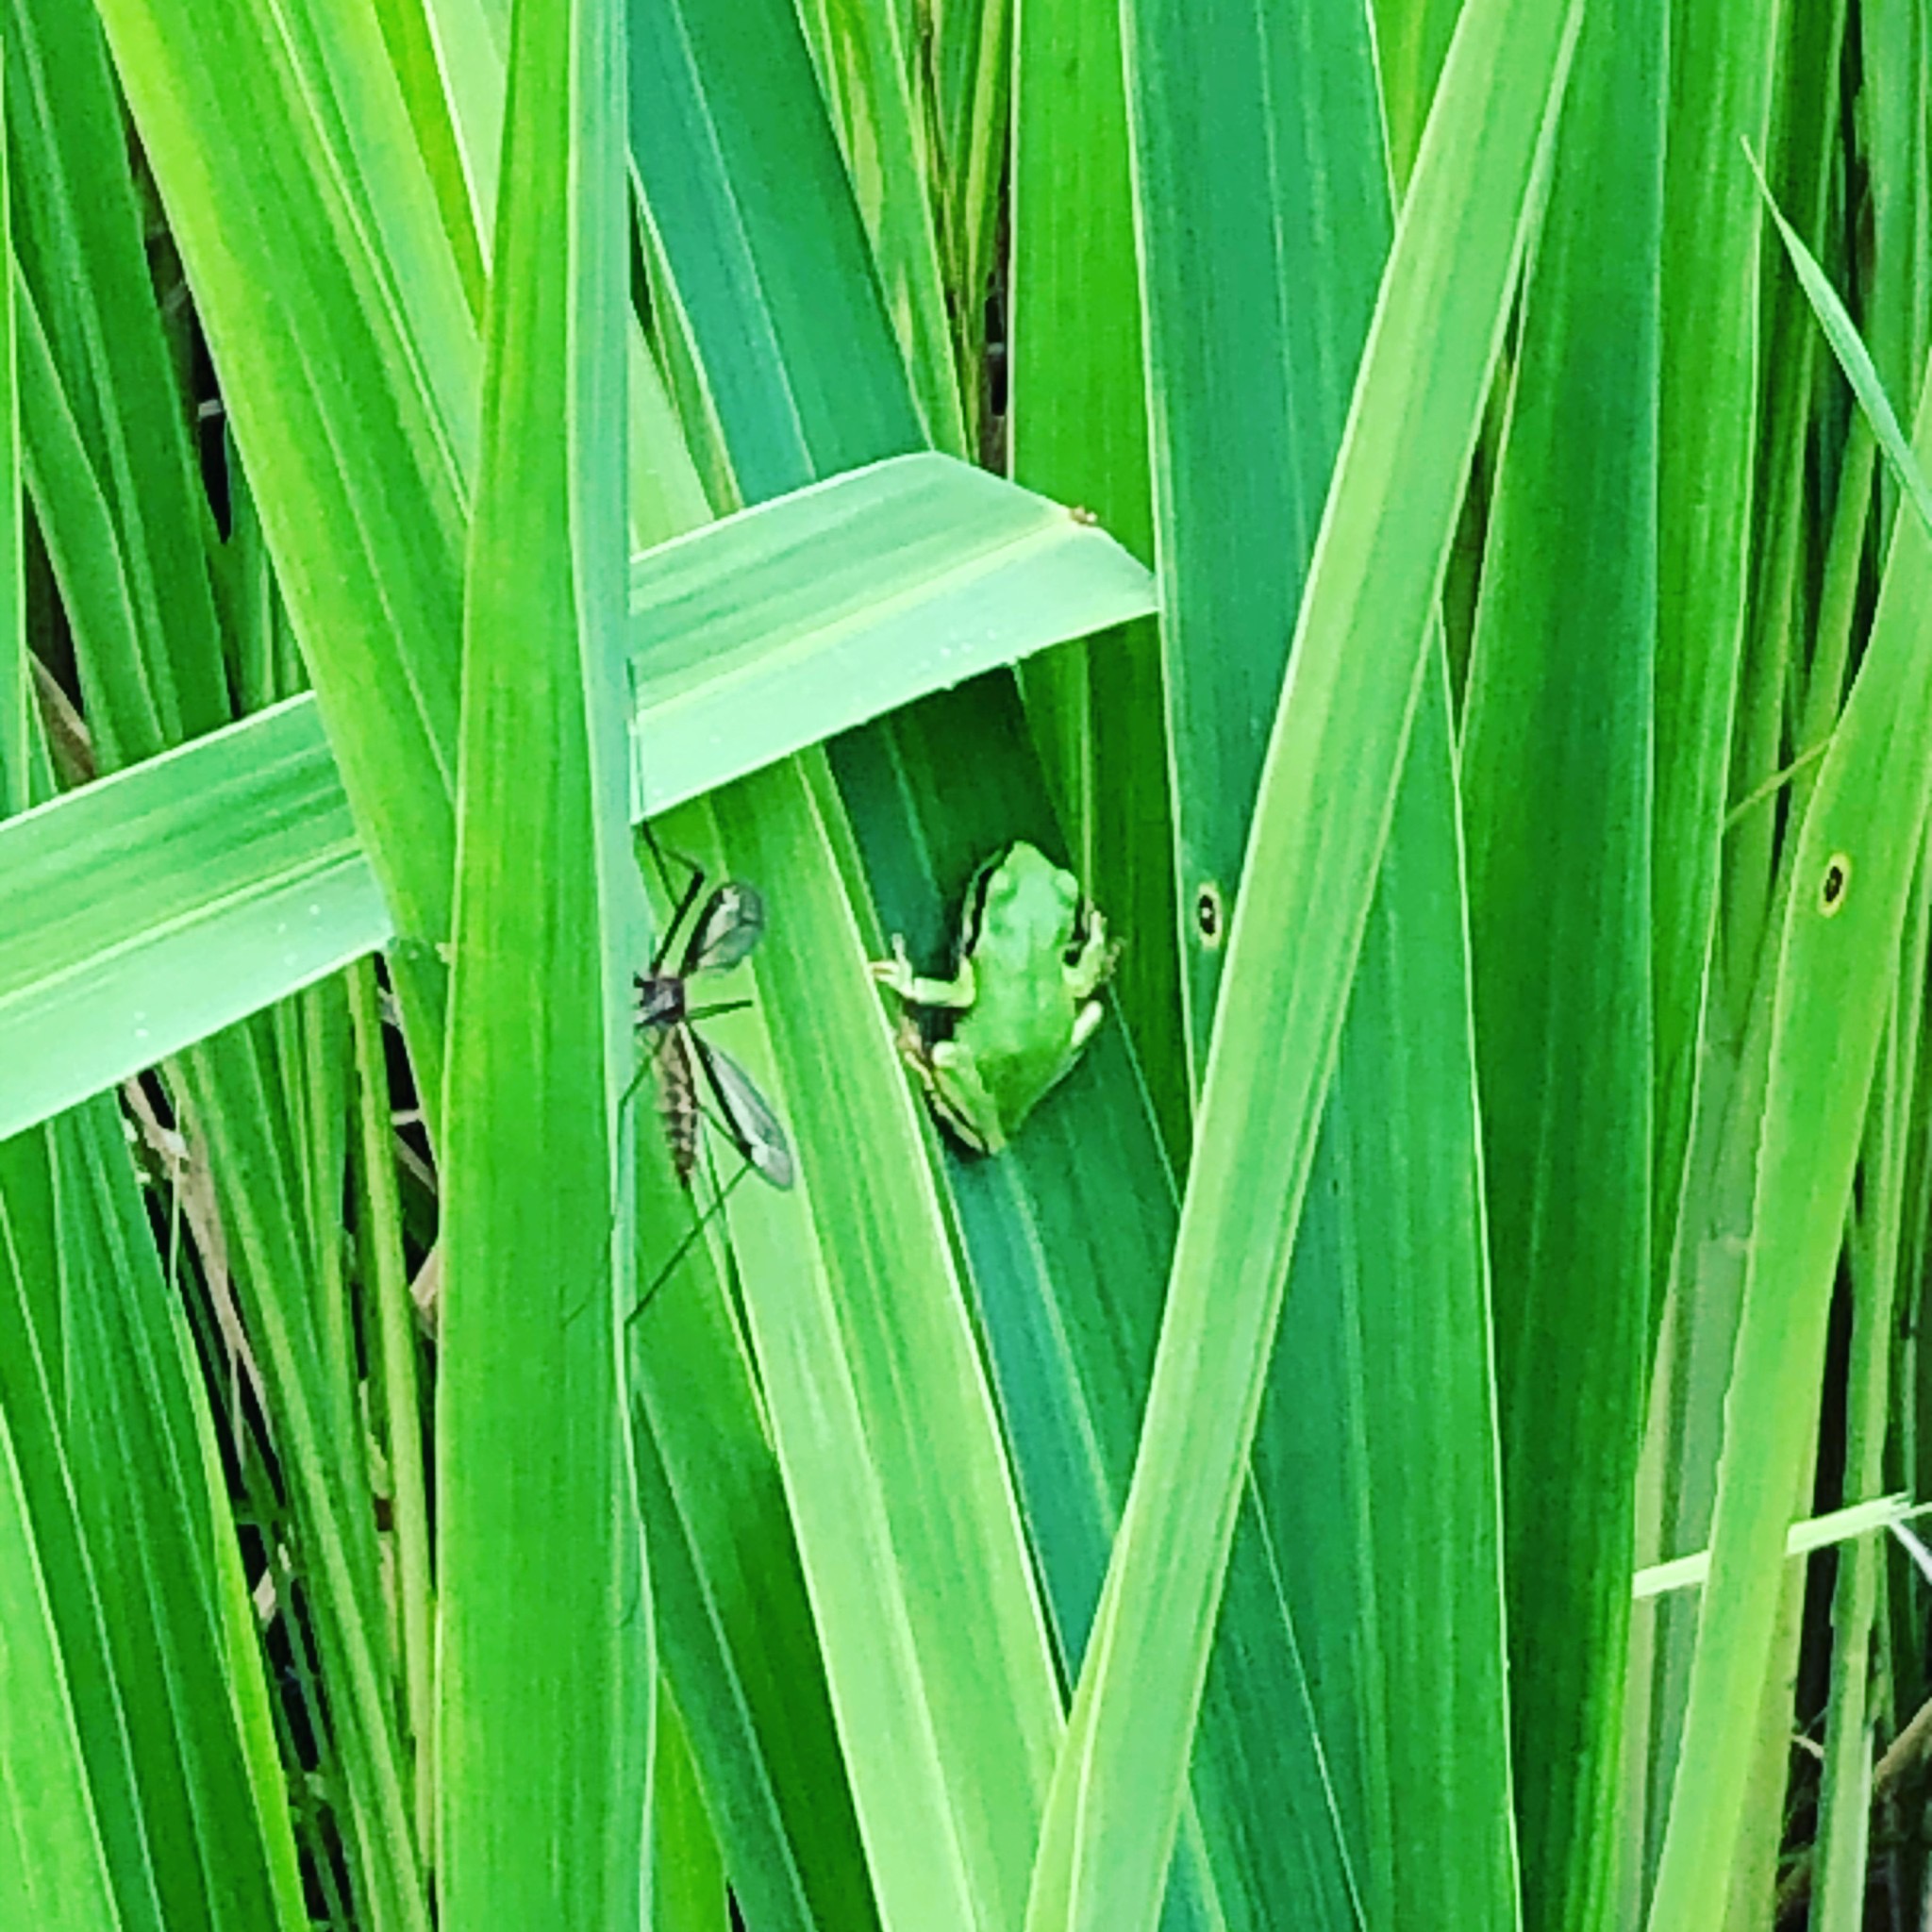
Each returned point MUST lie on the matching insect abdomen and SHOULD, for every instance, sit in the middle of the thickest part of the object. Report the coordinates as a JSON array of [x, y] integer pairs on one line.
[[677, 1095]]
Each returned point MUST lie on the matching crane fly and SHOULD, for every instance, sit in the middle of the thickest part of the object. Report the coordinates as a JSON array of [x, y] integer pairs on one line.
[[723, 931]]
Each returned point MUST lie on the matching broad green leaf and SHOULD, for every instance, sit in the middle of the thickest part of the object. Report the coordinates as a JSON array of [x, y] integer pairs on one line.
[[1358, 664], [543, 1748], [936, 1650], [1069, 1235], [1275, 283], [731, 143], [749, 639], [1077, 430], [172, 899], [1556, 763], [1381, 1495], [765, 633]]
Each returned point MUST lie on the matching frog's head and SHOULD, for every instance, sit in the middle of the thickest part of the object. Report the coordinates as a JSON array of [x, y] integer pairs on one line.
[[1026, 901]]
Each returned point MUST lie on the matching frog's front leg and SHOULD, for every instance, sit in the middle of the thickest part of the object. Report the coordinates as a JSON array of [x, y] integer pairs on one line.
[[1091, 968], [896, 973]]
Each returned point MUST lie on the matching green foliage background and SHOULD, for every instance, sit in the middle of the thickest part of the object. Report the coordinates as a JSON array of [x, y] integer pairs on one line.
[[1365, 484]]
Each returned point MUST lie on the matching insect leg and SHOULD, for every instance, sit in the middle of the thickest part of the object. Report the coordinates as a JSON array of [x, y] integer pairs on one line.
[[659, 1037], [682, 906], [684, 897], [683, 1247], [722, 1006]]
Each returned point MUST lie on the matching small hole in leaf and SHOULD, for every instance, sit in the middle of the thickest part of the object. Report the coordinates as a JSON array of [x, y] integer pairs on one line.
[[1831, 888], [1211, 915]]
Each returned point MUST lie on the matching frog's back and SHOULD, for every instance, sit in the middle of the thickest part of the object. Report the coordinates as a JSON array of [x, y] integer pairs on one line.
[[1023, 1027]]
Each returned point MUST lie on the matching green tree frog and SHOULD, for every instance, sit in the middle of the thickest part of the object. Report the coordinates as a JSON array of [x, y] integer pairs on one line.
[[1029, 966]]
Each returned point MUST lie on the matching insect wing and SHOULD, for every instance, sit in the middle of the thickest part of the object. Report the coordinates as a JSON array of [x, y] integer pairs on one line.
[[730, 925], [748, 1116]]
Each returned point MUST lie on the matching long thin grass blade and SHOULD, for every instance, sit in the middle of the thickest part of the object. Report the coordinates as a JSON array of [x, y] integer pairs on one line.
[[62, 1734], [1845, 1804], [735, 1631], [1837, 955], [1721, 64], [346, 351], [91, 313], [52, 1869], [875, 65]]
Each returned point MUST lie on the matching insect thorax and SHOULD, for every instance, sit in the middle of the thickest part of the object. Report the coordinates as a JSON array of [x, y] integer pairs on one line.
[[660, 999]]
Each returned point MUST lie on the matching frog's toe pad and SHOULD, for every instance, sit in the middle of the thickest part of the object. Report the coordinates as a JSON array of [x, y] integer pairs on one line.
[[896, 973]]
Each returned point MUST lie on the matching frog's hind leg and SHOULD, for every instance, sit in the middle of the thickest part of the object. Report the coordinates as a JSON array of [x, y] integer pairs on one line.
[[911, 1044], [917, 1055], [960, 1098]]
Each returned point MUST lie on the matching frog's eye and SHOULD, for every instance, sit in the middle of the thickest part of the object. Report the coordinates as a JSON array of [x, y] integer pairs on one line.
[[1001, 883]]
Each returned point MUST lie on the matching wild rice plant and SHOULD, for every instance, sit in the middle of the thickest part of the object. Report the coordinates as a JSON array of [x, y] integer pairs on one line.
[[1407, 501]]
